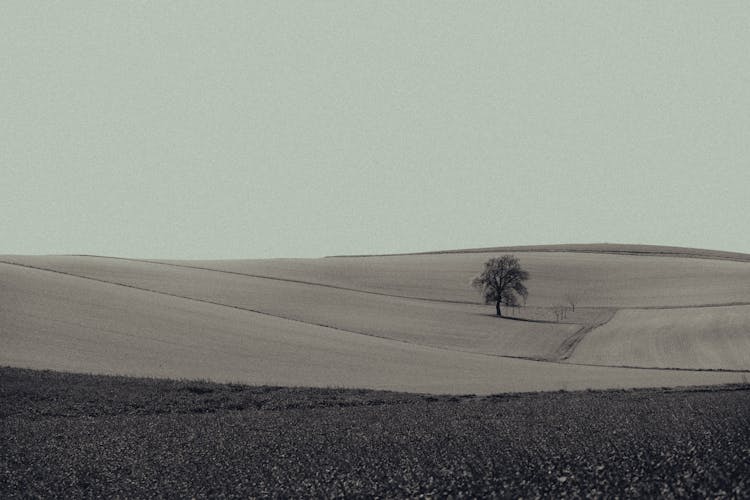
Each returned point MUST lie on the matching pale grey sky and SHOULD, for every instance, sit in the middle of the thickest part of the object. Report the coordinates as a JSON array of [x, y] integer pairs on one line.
[[279, 129]]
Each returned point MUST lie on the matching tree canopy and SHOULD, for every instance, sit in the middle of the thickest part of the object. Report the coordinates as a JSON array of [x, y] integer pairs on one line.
[[502, 282]]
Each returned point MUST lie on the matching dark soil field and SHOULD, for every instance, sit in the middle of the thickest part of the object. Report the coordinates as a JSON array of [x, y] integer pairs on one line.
[[68, 435]]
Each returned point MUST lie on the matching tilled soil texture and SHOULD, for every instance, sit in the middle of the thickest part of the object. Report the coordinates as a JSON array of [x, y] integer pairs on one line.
[[65, 435]]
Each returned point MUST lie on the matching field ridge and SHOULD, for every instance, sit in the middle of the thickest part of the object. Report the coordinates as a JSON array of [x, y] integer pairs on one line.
[[240, 308], [601, 248], [277, 278]]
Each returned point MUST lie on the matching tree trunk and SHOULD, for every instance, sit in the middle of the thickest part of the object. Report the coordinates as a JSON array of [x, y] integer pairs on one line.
[[497, 308]]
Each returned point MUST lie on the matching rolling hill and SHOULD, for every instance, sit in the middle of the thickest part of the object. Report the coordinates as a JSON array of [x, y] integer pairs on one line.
[[401, 322]]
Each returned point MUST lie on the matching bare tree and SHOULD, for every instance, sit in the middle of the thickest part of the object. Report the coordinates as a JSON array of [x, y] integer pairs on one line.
[[560, 312], [501, 282], [571, 298]]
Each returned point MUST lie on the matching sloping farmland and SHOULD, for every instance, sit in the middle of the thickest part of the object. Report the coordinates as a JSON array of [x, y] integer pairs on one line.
[[466, 327], [592, 279], [63, 322], [702, 337]]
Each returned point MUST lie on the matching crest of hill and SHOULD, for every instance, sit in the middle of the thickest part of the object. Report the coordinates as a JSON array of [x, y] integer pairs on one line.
[[606, 248]]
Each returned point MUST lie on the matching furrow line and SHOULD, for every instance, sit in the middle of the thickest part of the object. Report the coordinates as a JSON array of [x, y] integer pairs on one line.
[[276, 278], [383, 294], [256, 311]]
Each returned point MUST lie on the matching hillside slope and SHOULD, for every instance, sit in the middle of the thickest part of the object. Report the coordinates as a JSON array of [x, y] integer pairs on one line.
[[597, 280], [407, 322], [463, 327], [701, 337], [67, 323]]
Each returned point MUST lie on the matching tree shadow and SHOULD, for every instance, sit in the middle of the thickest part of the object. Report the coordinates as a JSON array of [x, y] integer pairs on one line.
[[528, 320]]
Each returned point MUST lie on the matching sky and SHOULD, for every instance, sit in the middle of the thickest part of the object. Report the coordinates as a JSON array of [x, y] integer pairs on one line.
[[259, 129]]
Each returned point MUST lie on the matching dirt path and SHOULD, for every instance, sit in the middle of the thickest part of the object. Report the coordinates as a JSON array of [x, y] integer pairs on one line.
[[567, 348]]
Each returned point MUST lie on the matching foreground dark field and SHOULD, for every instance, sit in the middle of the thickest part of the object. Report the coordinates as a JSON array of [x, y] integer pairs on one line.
[[65, 435]]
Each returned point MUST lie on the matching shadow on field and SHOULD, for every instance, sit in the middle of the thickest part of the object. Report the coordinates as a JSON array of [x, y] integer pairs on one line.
[[528, 320]]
